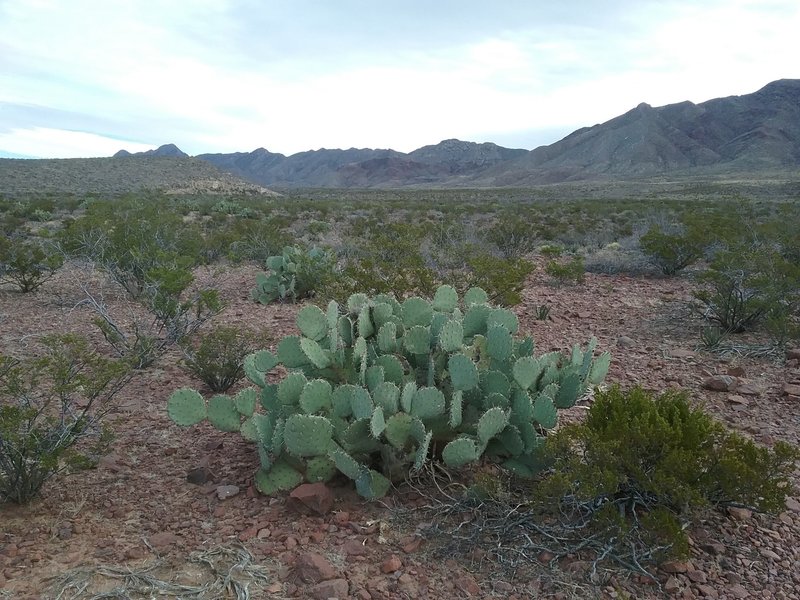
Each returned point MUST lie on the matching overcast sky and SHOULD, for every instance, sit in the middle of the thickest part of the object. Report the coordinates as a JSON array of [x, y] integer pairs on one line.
[[86, 77]]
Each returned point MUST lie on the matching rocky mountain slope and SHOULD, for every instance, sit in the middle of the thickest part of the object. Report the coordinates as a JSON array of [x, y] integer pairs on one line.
[[165, 172]]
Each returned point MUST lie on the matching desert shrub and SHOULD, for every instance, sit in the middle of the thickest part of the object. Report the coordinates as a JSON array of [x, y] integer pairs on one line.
[[127, 241], [217, 358], [502, 278], [51, 411], [512, 236], [171, 317], [27, 263], [746, 284], [371, 385], [672, 252], [571, 271], [295, 274], [639, 467]]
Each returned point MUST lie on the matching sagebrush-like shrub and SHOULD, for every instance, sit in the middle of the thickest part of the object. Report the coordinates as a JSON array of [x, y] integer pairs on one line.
[[27, 264], [646, 463], [573, 271], [217, 359], [673, 252], [51, 411]]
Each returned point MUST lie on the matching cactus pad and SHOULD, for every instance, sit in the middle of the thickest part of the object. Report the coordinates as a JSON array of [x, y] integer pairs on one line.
[[568, 391], [387, 337], [280, 478], [315, 354], [377, 423], [245, 402], [290, 388], [451, 336], [387, 396], [475, 295], [459, 452], [526, 371], [222, 413], [428, 403], [475, 320], [599, 369], [499, 343], [416, 311], [463, 372], [418, 339], [316, 396], [290, 353], [445, 299], [503, 318], [320, 468], [312, 322], [361, 403], [544, 411], [491, 423], [186, 407], [307, 435]]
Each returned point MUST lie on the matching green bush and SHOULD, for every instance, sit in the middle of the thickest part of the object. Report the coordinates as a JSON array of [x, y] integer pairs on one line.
[[642, 465], [27, 264], [573, 271], [512, 236], [371, 388], [51, 410], [218, 357], [673, 252], [746, 284]]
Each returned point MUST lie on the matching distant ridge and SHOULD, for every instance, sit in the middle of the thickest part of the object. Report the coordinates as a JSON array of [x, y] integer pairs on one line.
[[752, 133], [165, 150]]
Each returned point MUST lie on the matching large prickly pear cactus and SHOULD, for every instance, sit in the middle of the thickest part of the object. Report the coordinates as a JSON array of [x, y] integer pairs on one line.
[[372, 386]]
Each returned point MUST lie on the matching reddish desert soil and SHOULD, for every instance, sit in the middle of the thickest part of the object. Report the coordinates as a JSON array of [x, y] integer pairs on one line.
[[137, 507]]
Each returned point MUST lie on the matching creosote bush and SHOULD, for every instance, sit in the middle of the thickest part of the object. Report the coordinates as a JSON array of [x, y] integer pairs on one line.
[[51, 411], [643, 465], [218, 357], [26, 263]]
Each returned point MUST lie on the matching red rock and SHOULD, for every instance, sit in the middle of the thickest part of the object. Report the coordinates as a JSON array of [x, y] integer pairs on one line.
[[792, 504], [341, 518], [248, 533], [736, 372], [353, 547], [720, 383], [793, 354], [707, 591], [162, 539], [392, 564], [680, 353], [199, 476], [227, 491], [467, 584], [697, 576], [335, 588], [413, 545], [791, 389], [740, 514], [767, 553], [737, 590], [675, 566], [313, 568], [672, 584], [311, 498]]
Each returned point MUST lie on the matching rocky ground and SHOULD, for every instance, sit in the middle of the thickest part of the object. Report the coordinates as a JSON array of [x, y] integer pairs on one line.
[[138, 518]]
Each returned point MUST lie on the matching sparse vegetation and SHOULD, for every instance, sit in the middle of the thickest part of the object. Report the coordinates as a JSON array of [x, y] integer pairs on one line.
[[640, 467], [51, 413]]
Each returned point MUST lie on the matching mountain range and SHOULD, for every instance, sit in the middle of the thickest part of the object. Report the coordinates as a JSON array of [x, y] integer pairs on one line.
[[753, 134]]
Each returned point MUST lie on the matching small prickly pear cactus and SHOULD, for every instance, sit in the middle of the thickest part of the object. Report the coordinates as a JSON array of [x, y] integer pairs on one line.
[[376, 382]]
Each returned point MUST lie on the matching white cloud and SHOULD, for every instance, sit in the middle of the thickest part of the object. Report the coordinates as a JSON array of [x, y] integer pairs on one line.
[[44, 142], [225, 75]]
